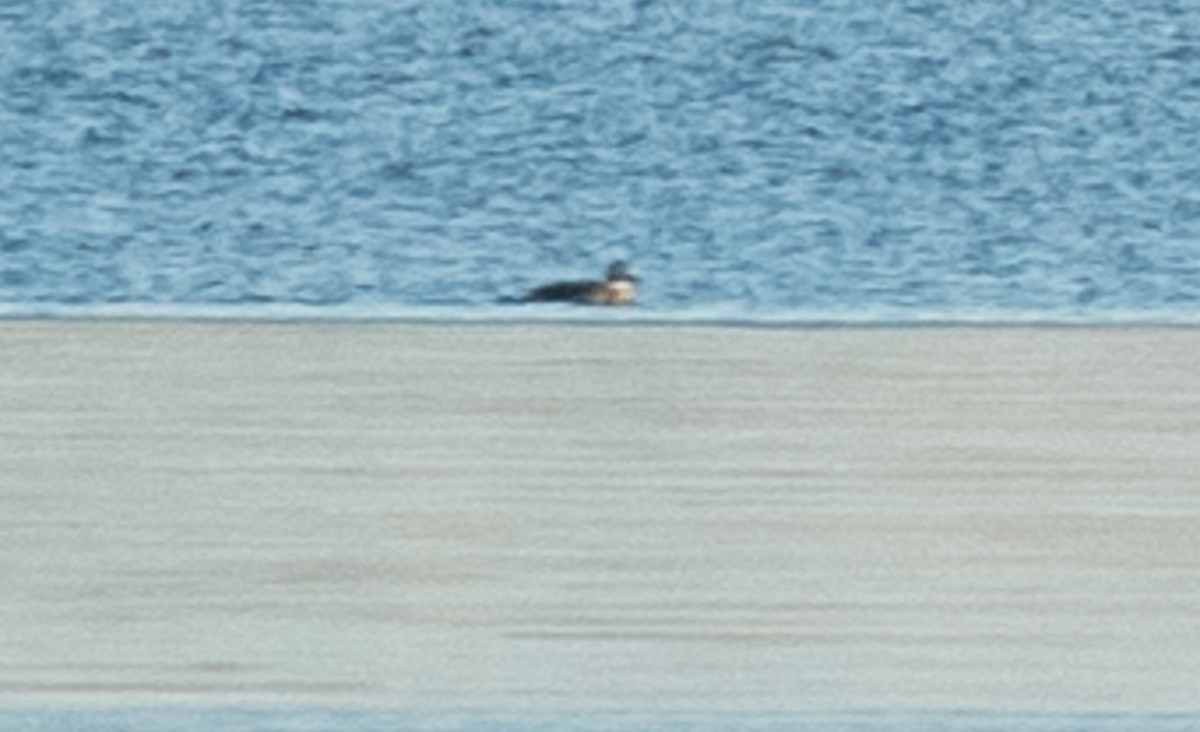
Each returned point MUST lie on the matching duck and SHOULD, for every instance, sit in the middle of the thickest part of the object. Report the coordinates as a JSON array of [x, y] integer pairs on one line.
[[619, 287]]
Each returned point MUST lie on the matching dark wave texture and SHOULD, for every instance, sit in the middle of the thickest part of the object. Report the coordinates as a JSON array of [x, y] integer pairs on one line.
[[924, 156]]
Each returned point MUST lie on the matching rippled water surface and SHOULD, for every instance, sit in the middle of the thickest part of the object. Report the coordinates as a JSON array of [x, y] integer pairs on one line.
[[893, 160], [310, 518]]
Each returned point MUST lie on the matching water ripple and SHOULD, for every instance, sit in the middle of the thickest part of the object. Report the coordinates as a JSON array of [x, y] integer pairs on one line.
[[925, 159]]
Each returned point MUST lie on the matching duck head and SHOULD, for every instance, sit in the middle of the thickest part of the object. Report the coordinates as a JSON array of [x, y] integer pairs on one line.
[[618, 271]]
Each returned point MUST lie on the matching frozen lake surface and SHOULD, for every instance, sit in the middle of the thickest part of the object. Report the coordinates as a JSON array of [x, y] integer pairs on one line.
[[557, 525], [377, 721], [546, 523]]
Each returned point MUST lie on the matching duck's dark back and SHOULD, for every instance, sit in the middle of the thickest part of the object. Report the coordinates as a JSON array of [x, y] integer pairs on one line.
[[560, 292]]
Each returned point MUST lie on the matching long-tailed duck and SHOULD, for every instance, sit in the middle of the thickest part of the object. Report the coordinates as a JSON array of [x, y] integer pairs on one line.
[[619, 287]]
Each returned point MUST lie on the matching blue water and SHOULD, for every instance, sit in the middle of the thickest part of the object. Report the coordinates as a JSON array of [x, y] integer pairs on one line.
[[775, 160], [757, 161]]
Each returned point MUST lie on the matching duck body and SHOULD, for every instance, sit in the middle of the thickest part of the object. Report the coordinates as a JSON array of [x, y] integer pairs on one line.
[[619, 287]]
